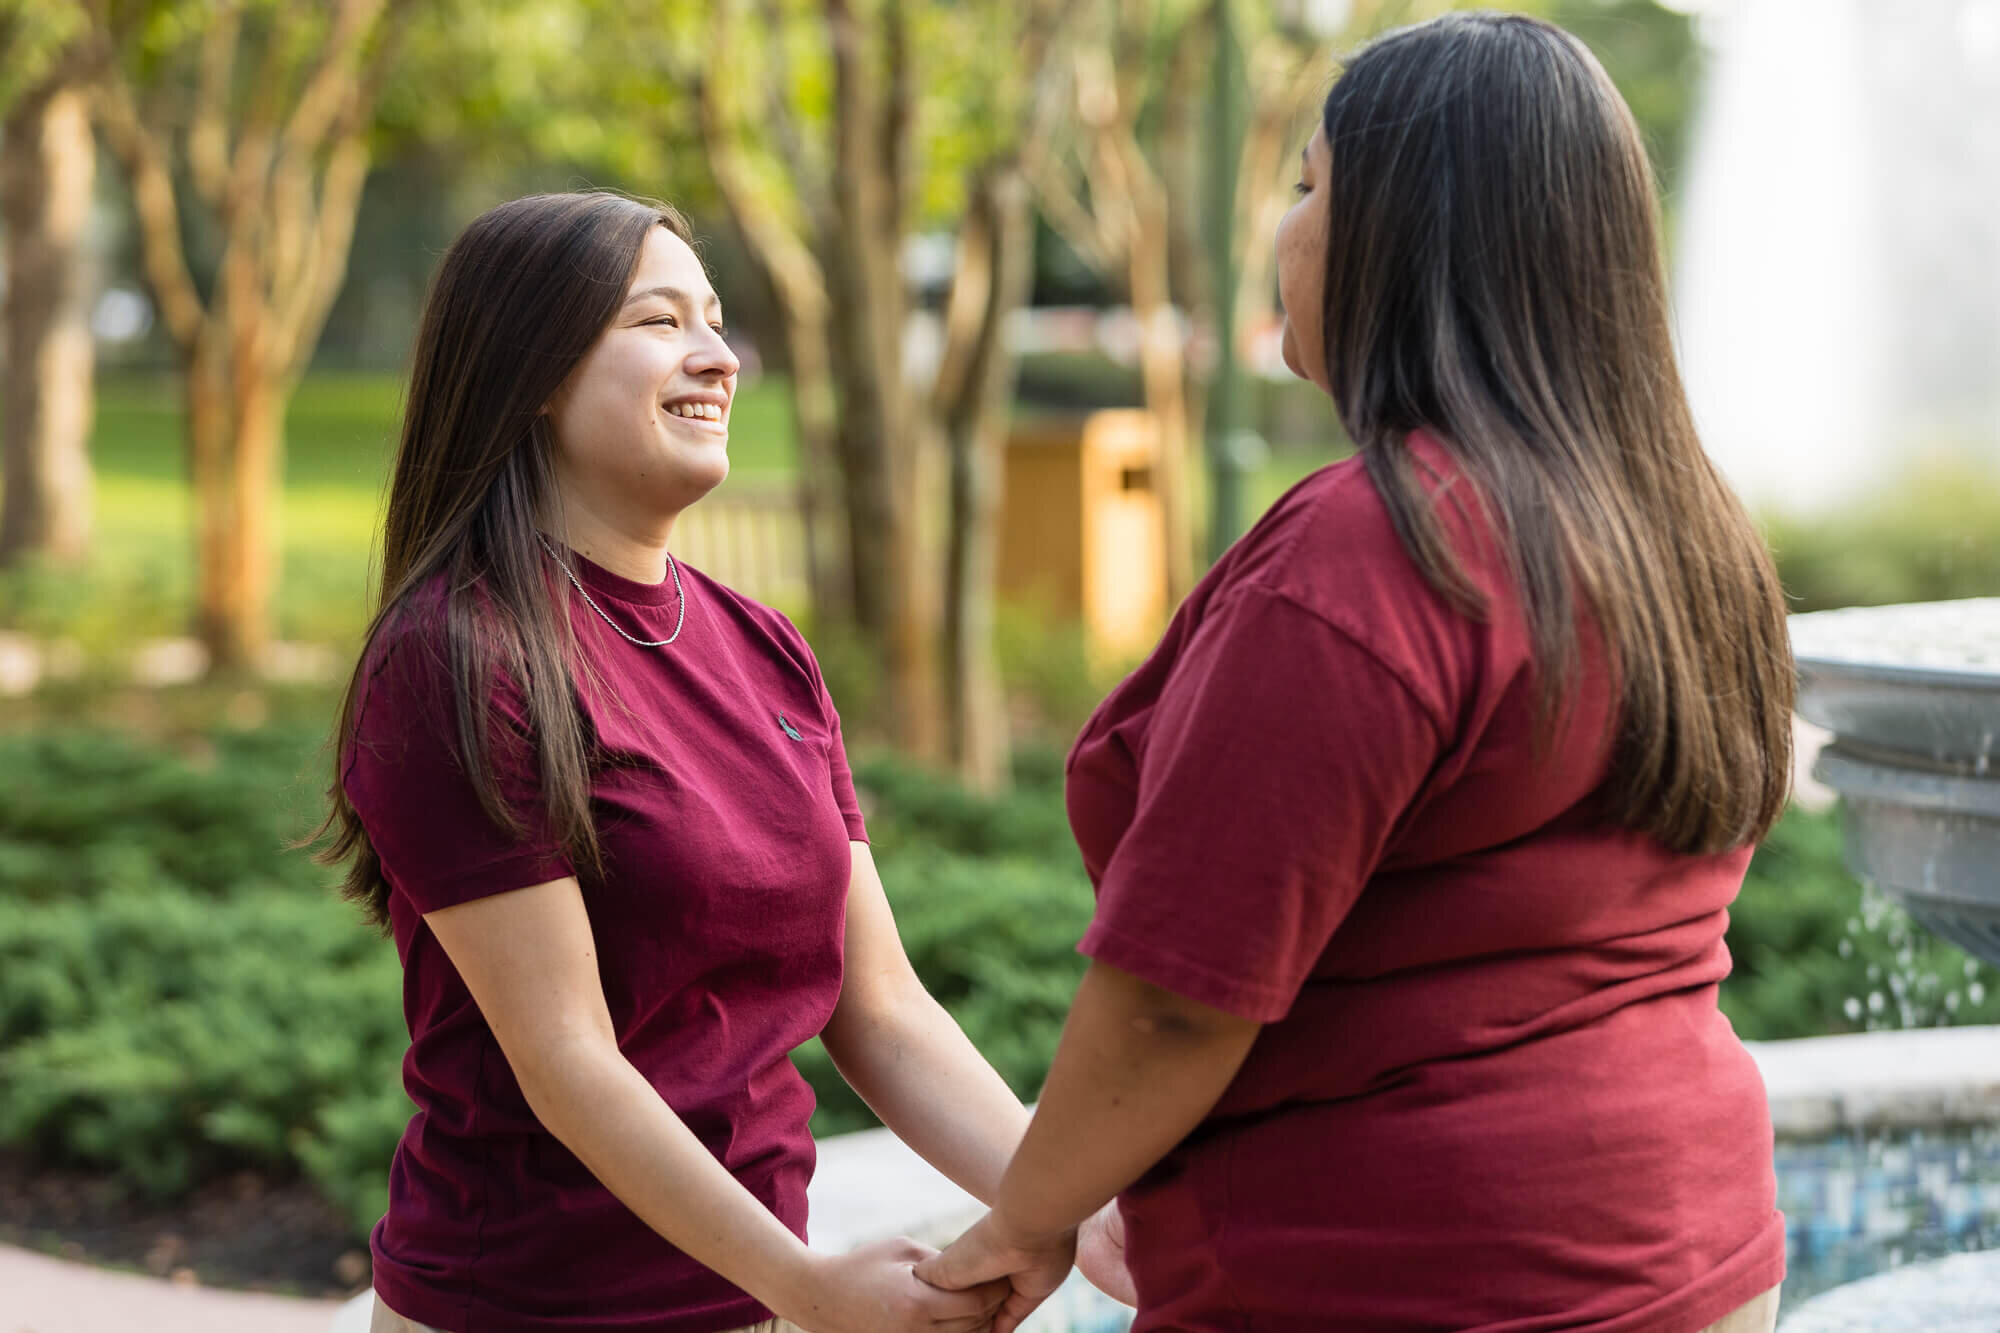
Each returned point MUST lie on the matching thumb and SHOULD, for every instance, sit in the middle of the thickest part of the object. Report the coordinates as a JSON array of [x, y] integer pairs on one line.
[[957, 1268]]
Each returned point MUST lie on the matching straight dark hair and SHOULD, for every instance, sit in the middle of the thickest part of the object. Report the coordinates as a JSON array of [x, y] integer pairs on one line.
[[517, 301], [1494, 273]]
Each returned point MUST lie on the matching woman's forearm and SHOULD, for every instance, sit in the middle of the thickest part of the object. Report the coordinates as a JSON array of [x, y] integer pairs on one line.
[[1137, 1068], [602, 1109], [910, 1062]]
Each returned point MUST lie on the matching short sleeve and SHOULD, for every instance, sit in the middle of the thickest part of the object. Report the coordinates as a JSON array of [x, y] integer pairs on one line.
[[403, 776], [842, 776], [1276, 764]]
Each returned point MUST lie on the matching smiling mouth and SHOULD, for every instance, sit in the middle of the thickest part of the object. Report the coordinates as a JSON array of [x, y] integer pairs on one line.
[[709, 412]]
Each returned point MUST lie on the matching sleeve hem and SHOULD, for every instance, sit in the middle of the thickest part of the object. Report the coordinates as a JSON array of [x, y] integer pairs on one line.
[[504, 875], [1190, 980], [856, 830]]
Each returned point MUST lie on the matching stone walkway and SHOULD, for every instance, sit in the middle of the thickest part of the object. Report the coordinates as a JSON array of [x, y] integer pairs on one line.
[[43, 1295], [1960, 1294]]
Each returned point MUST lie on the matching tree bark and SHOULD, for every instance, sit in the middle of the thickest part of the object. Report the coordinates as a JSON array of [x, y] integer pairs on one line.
[[1162, 373], [880, 447], [283, 185], [798, 286], [996, 264], [45, 190]]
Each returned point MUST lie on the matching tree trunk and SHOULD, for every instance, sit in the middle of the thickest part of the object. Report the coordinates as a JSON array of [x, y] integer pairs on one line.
[[1163, 374], [816, 417], [235, 402], [880, 443], [996, 255], [45, 189]]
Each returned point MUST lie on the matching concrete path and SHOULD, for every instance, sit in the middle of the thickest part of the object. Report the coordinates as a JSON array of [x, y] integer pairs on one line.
[[43, 1295]]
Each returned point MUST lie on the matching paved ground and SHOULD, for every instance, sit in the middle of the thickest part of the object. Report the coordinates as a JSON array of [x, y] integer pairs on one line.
[[43, 1295]]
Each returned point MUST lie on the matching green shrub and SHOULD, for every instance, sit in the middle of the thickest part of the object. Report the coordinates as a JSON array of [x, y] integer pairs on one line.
[[170, 1037], [179, 996], [84, 813], [1933, 536], [1816, 953], [910, 810]]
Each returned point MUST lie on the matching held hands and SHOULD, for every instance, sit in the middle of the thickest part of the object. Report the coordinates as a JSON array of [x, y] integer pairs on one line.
[[1100, 1254], [1031, 1266], [875, 1289]]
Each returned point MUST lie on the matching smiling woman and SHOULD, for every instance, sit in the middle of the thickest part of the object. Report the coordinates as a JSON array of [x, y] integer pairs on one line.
[[641, 425], [615, 837]]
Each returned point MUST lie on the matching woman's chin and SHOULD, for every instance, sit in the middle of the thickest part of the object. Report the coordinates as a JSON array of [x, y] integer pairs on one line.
[[1288, 351], [711, 474]]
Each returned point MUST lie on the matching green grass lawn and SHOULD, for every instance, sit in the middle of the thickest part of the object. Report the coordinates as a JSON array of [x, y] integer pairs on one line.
[[340, 437]]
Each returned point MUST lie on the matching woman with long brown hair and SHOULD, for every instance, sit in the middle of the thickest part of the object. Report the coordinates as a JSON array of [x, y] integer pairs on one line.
[[602, 804], [1414, 840]]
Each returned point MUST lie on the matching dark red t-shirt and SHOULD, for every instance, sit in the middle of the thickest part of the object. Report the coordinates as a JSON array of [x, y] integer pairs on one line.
[[725, 807], [1494, 1091]]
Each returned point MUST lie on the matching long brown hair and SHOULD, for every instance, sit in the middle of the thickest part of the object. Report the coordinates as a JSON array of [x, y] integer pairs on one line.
[[517, 301], [1494, 273]]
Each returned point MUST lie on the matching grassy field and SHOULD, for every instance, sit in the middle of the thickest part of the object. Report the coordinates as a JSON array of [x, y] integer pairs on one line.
[[339, 441]]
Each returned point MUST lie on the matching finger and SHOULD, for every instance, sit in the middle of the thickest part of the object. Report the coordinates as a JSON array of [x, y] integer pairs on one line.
[[909, 1251], [995, 1293], [957, 1268], [974, 1303], [972, 1323]]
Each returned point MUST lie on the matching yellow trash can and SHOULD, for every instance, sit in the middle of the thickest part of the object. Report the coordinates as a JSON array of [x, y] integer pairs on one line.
[[1082, 533]]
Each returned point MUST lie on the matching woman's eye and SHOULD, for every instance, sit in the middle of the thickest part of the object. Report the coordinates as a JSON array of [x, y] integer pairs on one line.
[[667, 320], [1302, 189], [721, 330]]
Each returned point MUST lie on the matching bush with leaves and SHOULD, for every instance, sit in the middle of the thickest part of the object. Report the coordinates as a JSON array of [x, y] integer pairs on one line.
[[1817, 953], [181, 997]]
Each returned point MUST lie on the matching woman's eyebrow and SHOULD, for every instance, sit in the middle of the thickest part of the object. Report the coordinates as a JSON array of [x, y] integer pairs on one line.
[[674, 296]]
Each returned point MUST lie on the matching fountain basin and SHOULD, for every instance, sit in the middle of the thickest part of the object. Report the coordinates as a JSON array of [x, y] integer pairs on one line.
[[1912, 695], [1930, 839], [1919, 681]]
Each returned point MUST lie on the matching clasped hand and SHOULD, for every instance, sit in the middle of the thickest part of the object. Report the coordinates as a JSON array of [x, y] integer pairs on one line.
[[1033, 1266]]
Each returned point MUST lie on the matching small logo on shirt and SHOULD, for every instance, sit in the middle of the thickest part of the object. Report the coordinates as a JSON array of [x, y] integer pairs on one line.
[[790, 730]]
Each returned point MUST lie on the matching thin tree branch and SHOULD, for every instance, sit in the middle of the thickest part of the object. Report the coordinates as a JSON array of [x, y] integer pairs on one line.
[[330, 84], [208, 132], [321, 264], [898, 112], [778, 106], [162, 253]]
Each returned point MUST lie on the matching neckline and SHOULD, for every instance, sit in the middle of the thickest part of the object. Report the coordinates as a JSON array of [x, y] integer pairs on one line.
[[603, 583]]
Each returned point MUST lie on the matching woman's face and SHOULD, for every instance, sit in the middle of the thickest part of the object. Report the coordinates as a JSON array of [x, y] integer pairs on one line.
[[1301, 259], [642, 424]]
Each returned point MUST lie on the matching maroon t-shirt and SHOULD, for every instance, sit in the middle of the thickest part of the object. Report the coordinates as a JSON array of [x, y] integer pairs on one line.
[[724, 804], [1494, 1091]]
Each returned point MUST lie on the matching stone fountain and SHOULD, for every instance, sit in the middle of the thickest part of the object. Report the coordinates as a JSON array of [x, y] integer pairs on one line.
[[1912, 696]]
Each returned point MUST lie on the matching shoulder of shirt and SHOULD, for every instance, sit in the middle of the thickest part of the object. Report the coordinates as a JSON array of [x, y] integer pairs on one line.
[[410, 651], [411, 637], [1329, 550], [1326, 540], [1419, 686], [773, 623]]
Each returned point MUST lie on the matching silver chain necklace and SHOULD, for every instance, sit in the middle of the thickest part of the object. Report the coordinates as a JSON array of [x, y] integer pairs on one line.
[[679, 592]]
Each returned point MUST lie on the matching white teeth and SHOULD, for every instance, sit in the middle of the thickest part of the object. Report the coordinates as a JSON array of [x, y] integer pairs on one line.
[[698, 411]]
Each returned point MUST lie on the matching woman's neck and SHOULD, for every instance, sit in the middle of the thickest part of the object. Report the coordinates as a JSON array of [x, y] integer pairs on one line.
[[640, 556]]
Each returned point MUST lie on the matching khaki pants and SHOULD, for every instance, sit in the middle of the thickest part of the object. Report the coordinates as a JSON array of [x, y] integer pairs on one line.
[[1759, 1316], [386, 1320]]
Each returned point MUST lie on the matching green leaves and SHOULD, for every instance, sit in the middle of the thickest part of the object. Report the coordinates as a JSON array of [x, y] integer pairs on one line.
[[1816, 953], [171, 1037], [180, 997]]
